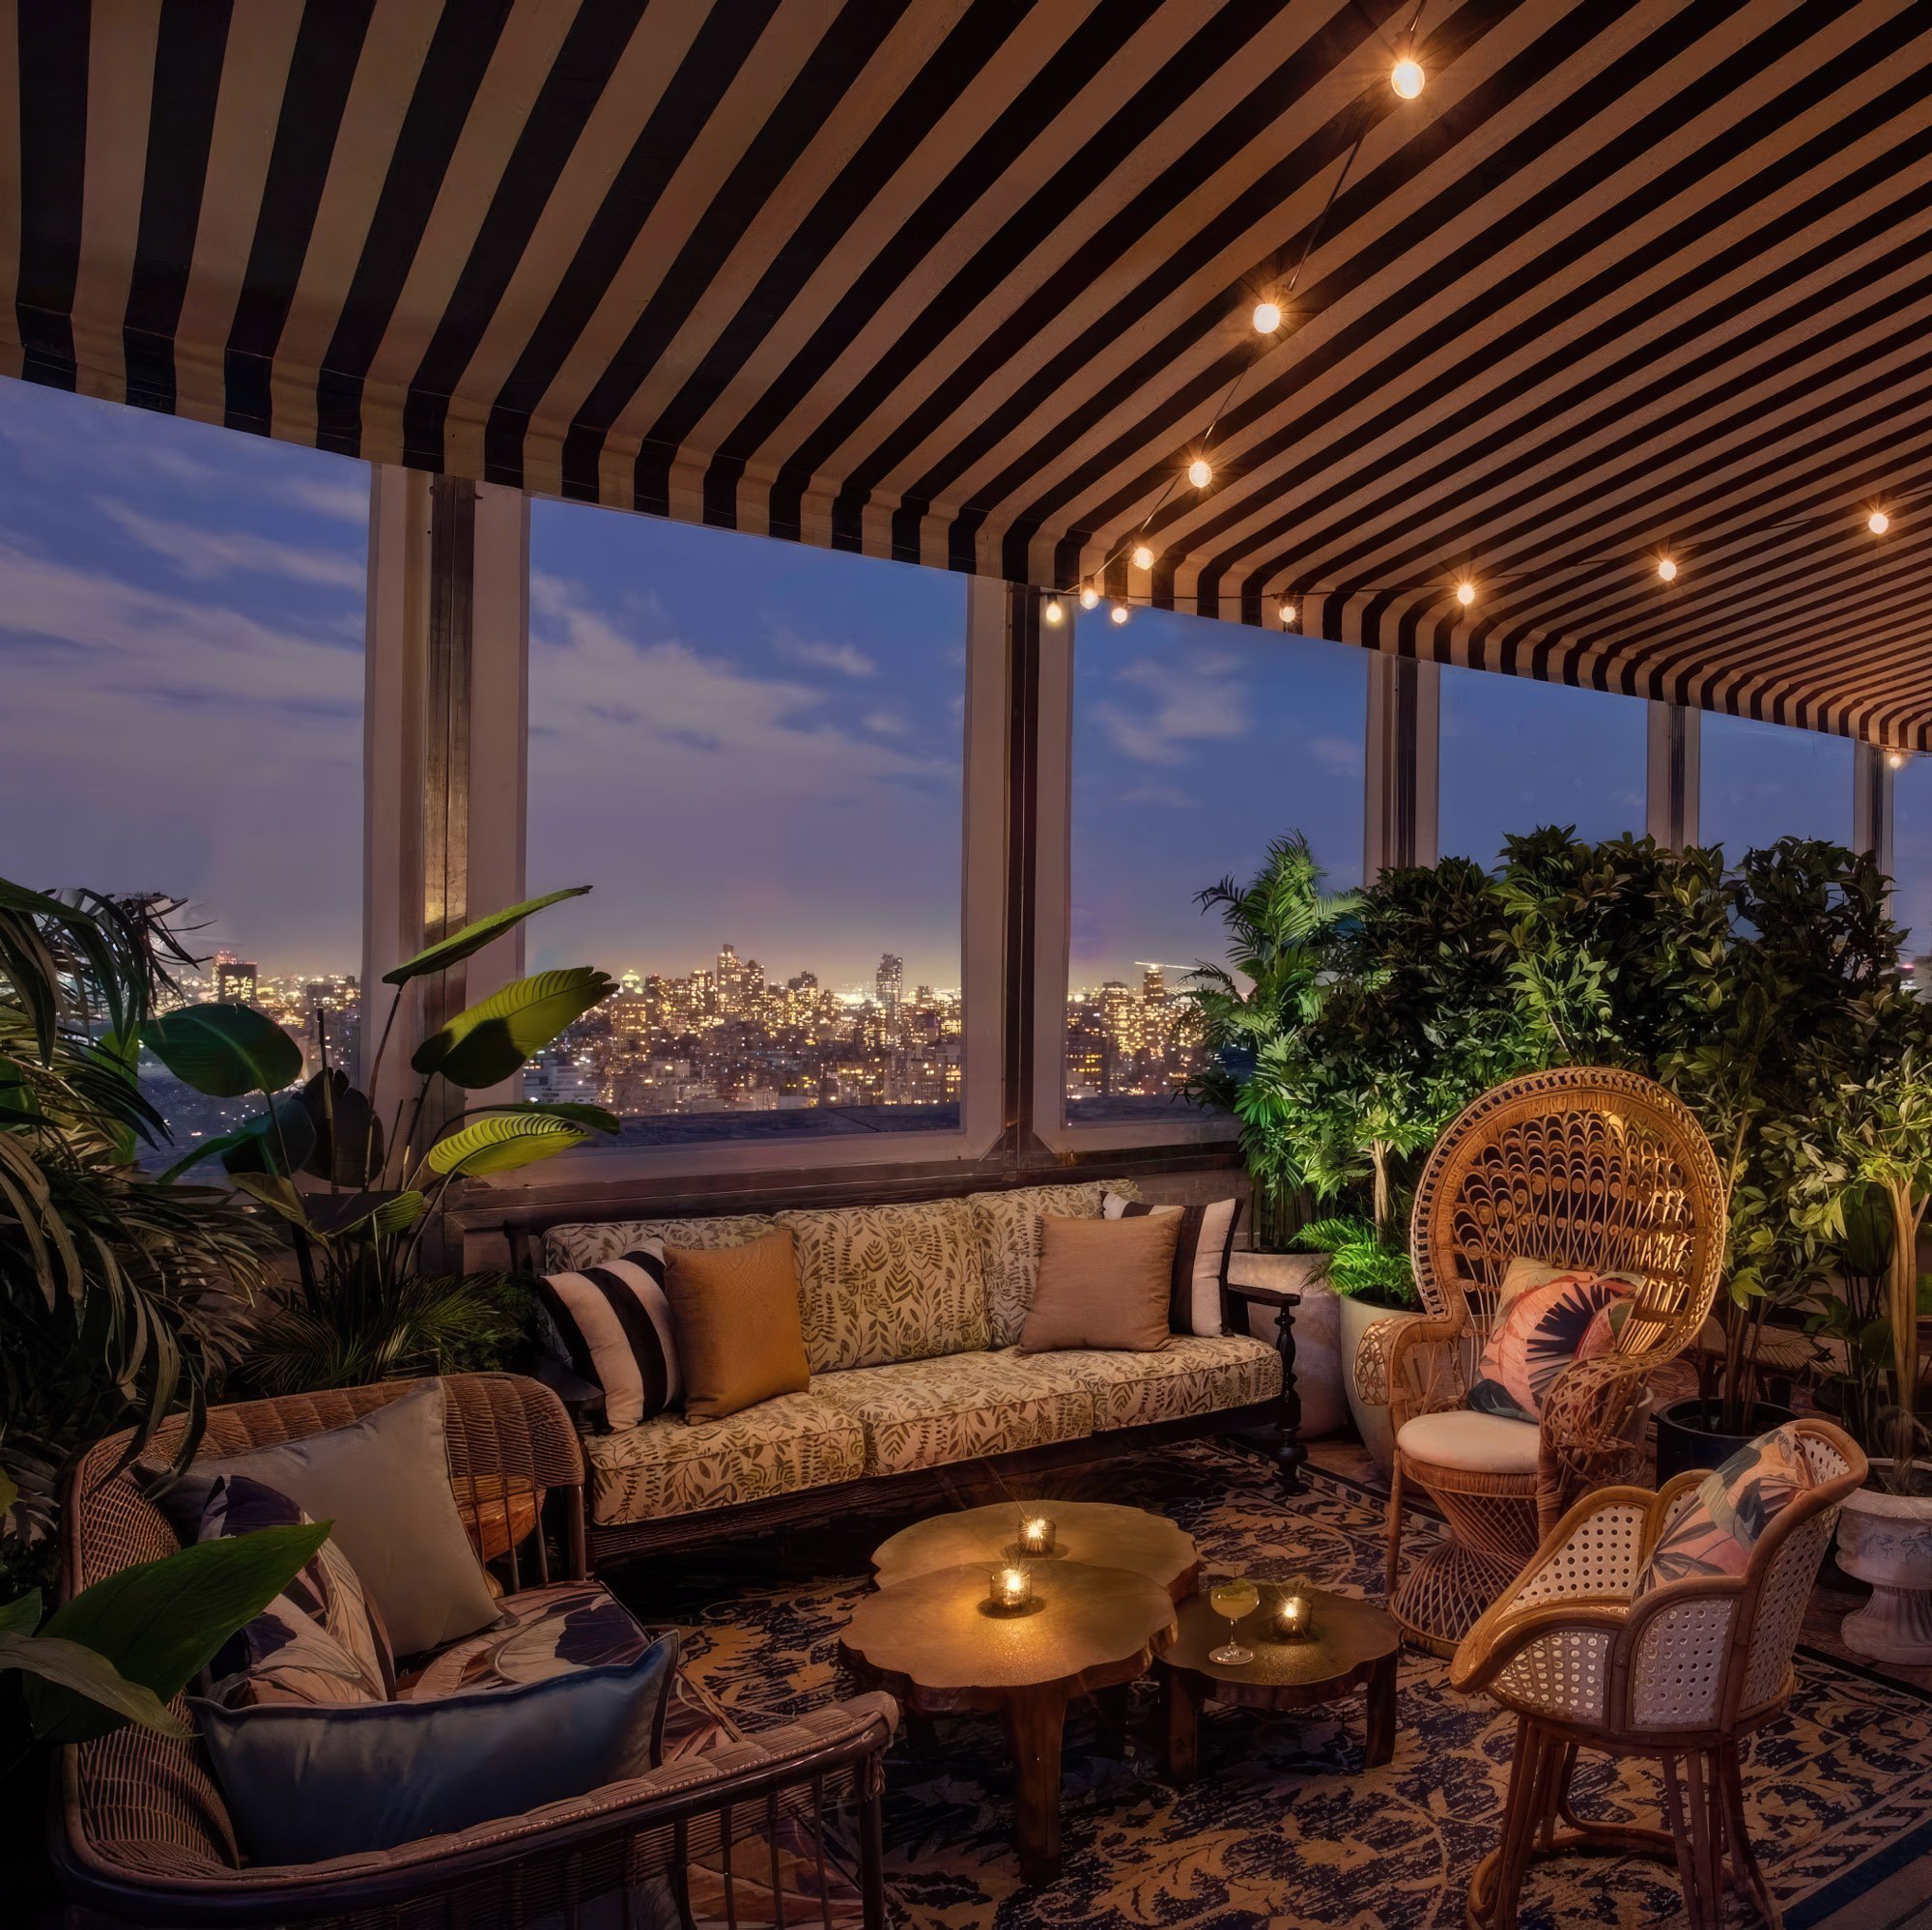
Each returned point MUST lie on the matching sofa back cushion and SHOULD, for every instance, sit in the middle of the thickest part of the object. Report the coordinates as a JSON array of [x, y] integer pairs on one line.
[[880, 1284], [571, 1248], [1006, 1231]]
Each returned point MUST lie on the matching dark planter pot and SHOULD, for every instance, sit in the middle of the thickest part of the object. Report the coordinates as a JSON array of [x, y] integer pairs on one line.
[[1687, 1434]]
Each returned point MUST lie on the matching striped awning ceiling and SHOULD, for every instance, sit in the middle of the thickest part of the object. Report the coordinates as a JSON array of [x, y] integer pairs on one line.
[[966, 281]]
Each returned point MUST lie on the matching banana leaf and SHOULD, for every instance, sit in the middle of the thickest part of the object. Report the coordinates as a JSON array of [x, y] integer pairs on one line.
[[500, 1142], [347, 1145], [225, 1050], [484, 1045], [279, 1141], [473, 937]]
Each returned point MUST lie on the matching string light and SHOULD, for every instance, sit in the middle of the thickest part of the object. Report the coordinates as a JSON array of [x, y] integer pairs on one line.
[[1466, 592], [1143, 557], [1894, 760], [1052, 611], [1198, 472], [1267, 317], [1407, 76], [1666, 569], [1878, 522], [1089, 596], [1120, 613], [1285, 609]]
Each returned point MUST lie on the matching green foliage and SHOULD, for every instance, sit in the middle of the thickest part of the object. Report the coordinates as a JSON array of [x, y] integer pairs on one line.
[[486, 1044], [223, 1050], [473, 937], [1361, 1264]]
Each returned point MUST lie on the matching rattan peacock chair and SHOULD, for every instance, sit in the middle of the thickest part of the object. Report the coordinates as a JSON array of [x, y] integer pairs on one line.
[[1579, 1166], [1679, 1673]]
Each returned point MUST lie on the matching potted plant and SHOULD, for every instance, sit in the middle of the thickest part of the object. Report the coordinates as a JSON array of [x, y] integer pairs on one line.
[[358, 1194]]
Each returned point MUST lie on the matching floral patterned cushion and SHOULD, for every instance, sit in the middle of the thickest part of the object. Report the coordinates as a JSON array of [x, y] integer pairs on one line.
[[923, 1413], [881, 1283], [569, 1249], [1540, 1330], [1733, 1506], [1190, 1375], [544, 1631], [1005, 1240], [675, 1466]]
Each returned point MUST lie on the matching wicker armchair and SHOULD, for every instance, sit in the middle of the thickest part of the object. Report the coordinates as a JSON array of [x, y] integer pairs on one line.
[[140, 1831], [1583, 1167], [1680, 1675]]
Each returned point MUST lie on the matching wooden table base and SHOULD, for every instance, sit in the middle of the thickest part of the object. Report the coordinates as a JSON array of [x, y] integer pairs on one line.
[[1183, 1695]]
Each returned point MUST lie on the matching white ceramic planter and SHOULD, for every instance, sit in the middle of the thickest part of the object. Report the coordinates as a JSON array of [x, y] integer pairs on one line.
[[1317, 1332], [1370, 1423], [1887, 1540]]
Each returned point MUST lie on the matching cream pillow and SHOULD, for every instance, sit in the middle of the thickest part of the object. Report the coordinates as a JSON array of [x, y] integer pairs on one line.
[[1102, 1284]]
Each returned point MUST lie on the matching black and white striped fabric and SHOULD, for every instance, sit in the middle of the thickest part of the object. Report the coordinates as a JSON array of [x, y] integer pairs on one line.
[[612, 1326], [1195, 1303], [964, 282]]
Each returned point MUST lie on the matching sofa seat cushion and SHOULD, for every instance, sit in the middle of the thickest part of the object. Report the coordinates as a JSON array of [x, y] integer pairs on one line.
[[923, 1413], [1476, 1443], [572, 1247], [1005, 1240], [675, 1466], [880, 1284], [546, 1631], [1189, 1374]]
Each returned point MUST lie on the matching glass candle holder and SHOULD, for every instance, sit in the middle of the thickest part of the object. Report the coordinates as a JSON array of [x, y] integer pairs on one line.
[[1036, 1534], [1295, 1613], [1010, 1589]]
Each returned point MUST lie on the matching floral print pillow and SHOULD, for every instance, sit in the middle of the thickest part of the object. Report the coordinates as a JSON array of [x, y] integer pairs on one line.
[[1733, 1506], [1539, 1332]]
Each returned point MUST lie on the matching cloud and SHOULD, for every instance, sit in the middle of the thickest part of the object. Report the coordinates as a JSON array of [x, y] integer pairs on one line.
[[844, 658], [1169, 797], [887, 723], [1343, 755], [347, 500], [202, 555], [1186, 707]]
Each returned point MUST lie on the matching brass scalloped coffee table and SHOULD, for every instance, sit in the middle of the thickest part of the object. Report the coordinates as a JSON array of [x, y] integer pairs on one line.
[[927, 1637], [1354, 1646]]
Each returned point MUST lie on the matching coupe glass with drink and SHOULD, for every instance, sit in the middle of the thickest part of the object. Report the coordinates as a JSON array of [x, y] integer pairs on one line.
[[1233, 1596]]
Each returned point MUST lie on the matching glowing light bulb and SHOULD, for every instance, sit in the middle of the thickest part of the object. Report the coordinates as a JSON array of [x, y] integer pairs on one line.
[[1267, 317], [1878, 522], [1895, 760], [1143, 557], [1465, 593], [1120, 613], [1285, 609], [1406, 77], [1052, 611], [1089, 596], [1198, 472], [1668, 570]]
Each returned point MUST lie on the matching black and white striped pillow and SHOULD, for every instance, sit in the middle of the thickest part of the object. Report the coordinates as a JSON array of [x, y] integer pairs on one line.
[[613, 1326], [1199, 1259]]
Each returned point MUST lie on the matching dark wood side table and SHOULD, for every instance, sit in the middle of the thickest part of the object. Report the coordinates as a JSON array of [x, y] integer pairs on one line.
[[928, 1641], [1354, 1646], [1101, 1534], [1289, 1452]]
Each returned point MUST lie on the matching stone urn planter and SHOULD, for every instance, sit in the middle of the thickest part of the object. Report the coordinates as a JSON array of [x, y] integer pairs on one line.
[[1318, 1370], [1886, 1538], [1372, 1423]]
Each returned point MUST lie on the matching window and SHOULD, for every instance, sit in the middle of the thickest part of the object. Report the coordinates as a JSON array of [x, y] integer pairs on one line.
[[1194, 744], [752, 751], [206, 591], [1516, 753], [1912, 862], [1762, 781]]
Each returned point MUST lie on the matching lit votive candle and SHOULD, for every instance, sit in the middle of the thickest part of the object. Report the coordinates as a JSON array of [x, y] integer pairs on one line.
[[1294, 1618], [1035, 1535], [1010, 1589]]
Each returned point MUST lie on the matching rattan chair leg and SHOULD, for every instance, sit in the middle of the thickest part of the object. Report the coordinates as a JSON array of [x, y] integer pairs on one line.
[[1391, 1564], [1444, 1593], [1744, 1858]]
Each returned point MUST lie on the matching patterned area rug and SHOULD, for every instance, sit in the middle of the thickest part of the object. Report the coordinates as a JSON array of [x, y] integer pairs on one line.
[[1284, 1827]]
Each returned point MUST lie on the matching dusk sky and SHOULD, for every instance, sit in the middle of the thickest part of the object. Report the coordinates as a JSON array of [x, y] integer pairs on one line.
[[732, 739]]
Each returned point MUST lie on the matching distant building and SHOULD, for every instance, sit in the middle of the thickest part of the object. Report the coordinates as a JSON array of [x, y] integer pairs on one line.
[[236, 980], [889, 983]]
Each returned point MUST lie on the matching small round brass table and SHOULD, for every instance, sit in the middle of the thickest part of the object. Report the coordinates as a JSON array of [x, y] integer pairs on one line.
[[1101, 1534], [929, 1640], [1354, 1646]]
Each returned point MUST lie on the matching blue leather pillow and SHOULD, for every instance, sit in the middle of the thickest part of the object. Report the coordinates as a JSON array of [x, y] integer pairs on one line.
[[303, 1784]]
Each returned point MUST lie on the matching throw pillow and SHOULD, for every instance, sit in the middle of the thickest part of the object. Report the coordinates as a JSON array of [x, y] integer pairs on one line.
[[1539, 1331], [735, 1312], [384, 1481], [304, 1784], [1733, 1506], [317, 1641], [1103, 1284], [613, 1326], [1200, 1258]]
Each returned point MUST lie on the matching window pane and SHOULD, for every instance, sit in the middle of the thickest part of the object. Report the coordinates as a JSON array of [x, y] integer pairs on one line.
[[180, 649], [752, 751], [1194, 742], [1911, 859], [1516, 753], [1762, 781]]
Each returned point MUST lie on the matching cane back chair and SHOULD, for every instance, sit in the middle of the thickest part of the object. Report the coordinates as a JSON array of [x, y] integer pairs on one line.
[[1582, 1166], [1681, 1674], [141, 1834]]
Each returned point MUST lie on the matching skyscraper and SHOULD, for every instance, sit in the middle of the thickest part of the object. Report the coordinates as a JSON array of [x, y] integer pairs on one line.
[[236, 980], [889, 983]]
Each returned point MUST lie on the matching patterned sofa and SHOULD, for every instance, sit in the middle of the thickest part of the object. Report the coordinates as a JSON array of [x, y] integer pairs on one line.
[[910, 1316]]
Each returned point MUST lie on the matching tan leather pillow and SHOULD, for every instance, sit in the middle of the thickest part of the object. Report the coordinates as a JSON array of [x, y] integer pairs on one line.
[[1103, 1283], [739, 1336]]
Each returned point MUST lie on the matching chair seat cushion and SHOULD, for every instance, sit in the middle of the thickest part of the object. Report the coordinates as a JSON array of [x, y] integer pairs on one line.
[[923, 1413], [673, 1467], [544, 1631], [1476, 1443], [1187, 1376]]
